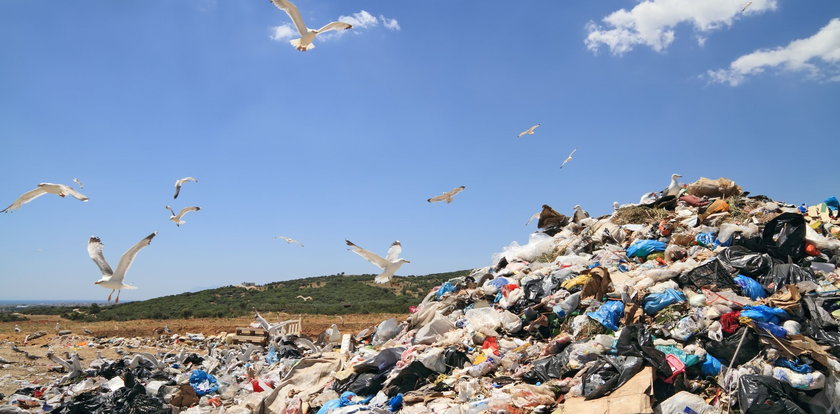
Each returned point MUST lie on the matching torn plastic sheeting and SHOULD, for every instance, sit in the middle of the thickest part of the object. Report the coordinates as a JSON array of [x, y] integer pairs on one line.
[[608, 374], [814, 380], [445, 288], [203, 383], [784, 236], [430, 333], [538, 245], [385, 331], [410, 378], [382, 362], [758, 394], [609, 314], [781, 275], [642, 248], [655, 302], [751, 287], [747, 261], [545, 369]]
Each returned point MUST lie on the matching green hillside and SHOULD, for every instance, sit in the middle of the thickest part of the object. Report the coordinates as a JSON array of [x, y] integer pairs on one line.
[[331, 295]]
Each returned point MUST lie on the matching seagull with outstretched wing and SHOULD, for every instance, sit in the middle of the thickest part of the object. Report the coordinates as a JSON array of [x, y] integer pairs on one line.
[[307, 35], [389, 264], [529, 131], [447, 196], [176, 218], [114, 279], [289, 240], [569, 158], [60, 190], [179, 183]]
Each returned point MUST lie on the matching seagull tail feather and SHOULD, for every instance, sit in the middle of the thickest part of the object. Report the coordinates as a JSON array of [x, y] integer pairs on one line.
[[296, 44]]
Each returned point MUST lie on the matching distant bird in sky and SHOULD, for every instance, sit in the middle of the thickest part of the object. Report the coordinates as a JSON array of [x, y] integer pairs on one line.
[[749, 3], [529, 131], [60, 190], [389, 264], [289, 240], [534, 217], [569, 158], [307, 35], [305, 298], [177, 218], [580, 214], [79, 183], [674, 187], [181, 182], [114, 279], [447, 196]]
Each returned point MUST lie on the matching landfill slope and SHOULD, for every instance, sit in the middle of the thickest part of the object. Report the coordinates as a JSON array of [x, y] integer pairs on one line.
[[699, 299]]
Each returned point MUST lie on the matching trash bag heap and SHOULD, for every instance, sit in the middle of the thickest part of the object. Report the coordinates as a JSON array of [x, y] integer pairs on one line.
[[704, 301]]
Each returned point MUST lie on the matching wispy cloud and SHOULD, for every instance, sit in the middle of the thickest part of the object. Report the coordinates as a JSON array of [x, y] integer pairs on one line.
[[651, 23], [818, 56], [361, 21]]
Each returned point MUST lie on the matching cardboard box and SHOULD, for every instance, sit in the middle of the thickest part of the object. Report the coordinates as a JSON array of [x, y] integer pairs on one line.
[[634, 397]]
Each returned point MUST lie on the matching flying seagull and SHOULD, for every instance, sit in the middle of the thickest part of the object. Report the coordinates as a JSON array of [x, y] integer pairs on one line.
[[79, 183], [569, 158], [307, 35], [177, 218], [529, 131], [111, 279], [305, 298], [447, 196], [289, 240], [181, 182], [389, 264], [60, 190], [745, 6]]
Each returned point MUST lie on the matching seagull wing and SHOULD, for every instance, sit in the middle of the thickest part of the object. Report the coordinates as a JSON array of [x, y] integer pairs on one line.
[[394, 252], [66, 189], [186, 210], [25, 198], [386, 276], [181, 182], [334, 26], [368, 255], [534, 217], [128, 257], [293, 13], [95, 252]]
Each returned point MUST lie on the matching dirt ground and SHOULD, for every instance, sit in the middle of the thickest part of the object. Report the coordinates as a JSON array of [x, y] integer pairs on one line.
[[37, 370]]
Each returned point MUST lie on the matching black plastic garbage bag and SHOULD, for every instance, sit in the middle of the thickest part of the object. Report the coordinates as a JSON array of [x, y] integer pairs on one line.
[[410, 378], [553, 367], [784, 236], [454, 359], [712, 272], [759, 394], [131, 399], [784, 274], [383, 361], [534, 290], [366, 383], [610, 373], [748, 263], [724, 350], [636, 340], [819, 324], [194, 359]]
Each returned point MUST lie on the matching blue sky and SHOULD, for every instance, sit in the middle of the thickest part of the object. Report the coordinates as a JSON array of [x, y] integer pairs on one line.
[[349, 139]]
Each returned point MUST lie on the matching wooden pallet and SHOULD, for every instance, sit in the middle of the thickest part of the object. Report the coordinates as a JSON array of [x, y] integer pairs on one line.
[[256, 336]]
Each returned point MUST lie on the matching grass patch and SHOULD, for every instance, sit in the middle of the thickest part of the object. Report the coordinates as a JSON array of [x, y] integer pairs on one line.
[[638, 215]]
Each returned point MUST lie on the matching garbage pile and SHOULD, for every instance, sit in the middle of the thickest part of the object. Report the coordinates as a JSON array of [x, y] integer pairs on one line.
[[701, 300]]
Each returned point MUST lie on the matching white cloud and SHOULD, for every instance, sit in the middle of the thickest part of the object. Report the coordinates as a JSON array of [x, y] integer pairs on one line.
[[818, 56], [391, 24], [360, 20], [651, 22], [283, 32]]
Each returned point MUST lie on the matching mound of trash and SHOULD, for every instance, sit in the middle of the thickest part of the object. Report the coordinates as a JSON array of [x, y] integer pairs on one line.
[[700, 300]]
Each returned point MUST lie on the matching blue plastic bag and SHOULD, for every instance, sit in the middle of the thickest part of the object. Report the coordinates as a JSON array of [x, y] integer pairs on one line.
[[832, 203], [271, 356], [444, 289], [203, 383], [642, 248], [395, 403], [498, 282], [655, 302], [711, 366], [751, 287], [343, 401], [764, 313], [774, 329], [705, 239], [609, 314], [800, 368]]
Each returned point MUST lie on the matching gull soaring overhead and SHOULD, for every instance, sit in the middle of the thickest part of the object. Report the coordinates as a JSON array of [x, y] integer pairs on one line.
[[447, 196], [289, 240], [181, 182], [569, 158], [111, 279], [307, 35], [177, 218], [389, 264], [60, 190], [529, 131]]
